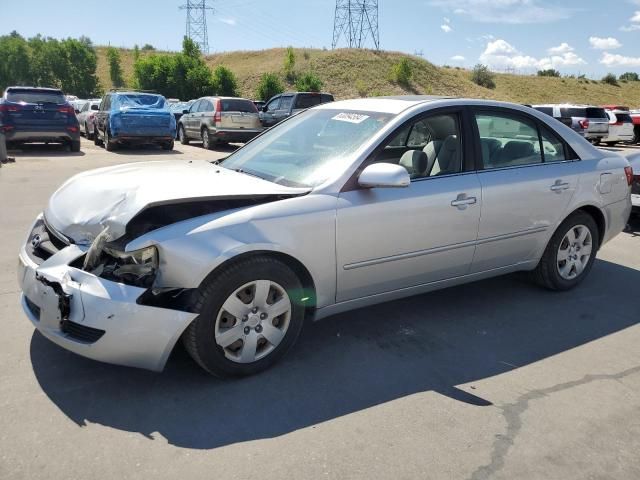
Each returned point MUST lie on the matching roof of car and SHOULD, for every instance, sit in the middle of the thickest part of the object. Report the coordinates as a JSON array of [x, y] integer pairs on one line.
[[565, 105], [392, 105]]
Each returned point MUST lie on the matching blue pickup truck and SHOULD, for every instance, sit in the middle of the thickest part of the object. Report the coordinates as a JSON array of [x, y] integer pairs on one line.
[[134, 118]]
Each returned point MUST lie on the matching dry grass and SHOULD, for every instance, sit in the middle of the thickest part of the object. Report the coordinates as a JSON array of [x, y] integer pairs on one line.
[[349, 73]]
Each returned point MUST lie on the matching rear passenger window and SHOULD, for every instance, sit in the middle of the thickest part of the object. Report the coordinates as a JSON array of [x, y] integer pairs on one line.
[[507, 141], [552, 146]]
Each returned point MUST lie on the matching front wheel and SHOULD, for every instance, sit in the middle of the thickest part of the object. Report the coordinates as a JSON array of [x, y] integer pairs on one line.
[[250, 315], [636, 135], [109, 145], [87, 132], [570, 253]]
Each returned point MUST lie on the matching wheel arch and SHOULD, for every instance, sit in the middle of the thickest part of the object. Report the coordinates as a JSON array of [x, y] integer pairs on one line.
[[308, 283], [598, 217]]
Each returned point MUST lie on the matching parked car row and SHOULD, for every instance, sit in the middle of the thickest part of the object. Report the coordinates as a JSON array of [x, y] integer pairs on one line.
[[608, 124]]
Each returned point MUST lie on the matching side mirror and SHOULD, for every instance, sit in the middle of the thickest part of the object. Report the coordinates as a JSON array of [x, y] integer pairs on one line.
[[76, 110], [184, 112], [264, 109], [384, 175], [95, 107]]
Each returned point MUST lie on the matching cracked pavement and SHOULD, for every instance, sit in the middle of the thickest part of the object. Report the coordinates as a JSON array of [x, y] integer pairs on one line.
[[492, 380]]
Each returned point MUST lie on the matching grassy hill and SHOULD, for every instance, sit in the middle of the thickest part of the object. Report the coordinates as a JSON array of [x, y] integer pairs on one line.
[[351, 73]]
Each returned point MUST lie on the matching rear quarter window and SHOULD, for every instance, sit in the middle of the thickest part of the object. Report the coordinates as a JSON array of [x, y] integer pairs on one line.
[[308, 101], [573, 112], [546, 110], [35, 96], [596, 113]]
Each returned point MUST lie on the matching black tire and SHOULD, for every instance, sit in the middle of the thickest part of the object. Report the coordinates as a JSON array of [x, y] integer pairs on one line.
[[199, 338], [546, 273], [168, 145], [207, 142], [96, 138], [75, 145], [87, 133], [636, 135], [182, 136], [108, 144], [611, 144]]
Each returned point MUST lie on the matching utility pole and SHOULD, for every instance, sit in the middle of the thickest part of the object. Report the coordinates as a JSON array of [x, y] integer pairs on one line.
[[197, 23], [356, 21]]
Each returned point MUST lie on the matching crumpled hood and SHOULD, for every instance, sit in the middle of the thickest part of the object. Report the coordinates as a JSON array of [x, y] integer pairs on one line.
[[110, 197]]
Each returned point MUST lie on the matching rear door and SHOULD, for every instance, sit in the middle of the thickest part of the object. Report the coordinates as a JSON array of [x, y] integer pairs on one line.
[[284, 109], [528, 177], [36, 109], [206, 115], [238, 113]]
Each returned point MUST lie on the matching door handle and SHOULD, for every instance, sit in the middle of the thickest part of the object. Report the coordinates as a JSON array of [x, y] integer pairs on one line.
[[462, 201], [559, 186]]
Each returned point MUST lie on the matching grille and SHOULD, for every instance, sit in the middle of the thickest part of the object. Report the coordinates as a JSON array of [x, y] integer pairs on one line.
[[81, 333], [49, 243], [33, 308]]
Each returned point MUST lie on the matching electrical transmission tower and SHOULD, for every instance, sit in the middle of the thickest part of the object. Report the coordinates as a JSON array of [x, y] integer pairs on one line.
[[197, 22], [356, 20]]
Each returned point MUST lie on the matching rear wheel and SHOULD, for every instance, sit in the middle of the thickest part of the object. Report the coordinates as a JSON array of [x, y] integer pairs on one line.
[[250, 315], [96, 137], [207, 142], [88, 132], [570, 253], [611, 144], [182, 136], [75, 145], [109, 145], [636, 135], [168, 145]]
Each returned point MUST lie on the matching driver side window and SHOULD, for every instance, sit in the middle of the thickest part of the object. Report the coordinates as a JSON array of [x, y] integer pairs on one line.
[[273, 105], [428, 147]]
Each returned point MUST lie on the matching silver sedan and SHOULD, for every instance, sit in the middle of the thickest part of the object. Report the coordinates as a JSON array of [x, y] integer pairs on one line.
[[345, 205]]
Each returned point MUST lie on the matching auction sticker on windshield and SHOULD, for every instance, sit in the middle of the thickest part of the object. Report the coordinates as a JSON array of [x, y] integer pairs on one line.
[[350, 117]]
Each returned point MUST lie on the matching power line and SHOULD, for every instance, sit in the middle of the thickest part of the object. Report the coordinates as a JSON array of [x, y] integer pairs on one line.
[[356, 21], [196, 28]]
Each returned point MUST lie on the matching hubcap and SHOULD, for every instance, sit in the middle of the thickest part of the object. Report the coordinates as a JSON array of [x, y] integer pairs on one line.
[[205, 138], [574, 252], [253, 321]]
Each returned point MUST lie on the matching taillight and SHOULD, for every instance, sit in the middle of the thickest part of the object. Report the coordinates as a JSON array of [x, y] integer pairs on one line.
[[217, 117], [584, 124], [628, 171], [10, 108], [67, 109], [72, 129]]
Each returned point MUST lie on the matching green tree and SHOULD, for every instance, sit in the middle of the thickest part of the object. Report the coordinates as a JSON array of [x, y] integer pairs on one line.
[[289, 64], [483, 77], [610, 79], [550, 72], [136, 52], [115, 67], [402, 72], [15, 61], [269, 86], [224, 82], [309, 82], [190, 48], [630, 77]]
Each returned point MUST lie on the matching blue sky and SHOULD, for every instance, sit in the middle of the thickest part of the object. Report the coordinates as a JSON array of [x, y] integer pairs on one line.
[[573, 36]]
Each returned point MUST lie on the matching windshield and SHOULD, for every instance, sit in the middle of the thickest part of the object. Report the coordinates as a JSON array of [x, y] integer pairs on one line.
[[140, 101], [305, 150]]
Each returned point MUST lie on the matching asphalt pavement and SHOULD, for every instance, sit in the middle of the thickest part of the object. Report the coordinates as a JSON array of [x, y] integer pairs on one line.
[[494, 380]]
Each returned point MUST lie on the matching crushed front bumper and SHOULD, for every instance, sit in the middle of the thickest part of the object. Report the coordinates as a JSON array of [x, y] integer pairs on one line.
[[96, 318]]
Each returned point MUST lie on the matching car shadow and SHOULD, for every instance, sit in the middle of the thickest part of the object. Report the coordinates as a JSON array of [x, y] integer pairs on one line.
[[225, 147], [144, 149], [349, 362], [43, 150]]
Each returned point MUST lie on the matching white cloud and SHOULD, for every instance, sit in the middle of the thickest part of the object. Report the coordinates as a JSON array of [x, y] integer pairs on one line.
[[608, 43], [505, 11], [560, 49], [634, 21], [458, 58], [446, 26], [501, 54], [228, 21], [616, 60]]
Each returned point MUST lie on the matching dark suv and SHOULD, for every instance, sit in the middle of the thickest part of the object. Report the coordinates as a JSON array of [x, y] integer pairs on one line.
[[30, 114], [134, 118], [286, 104]]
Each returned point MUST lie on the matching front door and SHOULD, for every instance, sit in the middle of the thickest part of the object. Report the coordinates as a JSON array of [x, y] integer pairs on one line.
[[390, 239]]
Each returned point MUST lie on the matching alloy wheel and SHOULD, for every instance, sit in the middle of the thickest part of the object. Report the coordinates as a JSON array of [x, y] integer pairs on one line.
[[253, 321], [574, 252]]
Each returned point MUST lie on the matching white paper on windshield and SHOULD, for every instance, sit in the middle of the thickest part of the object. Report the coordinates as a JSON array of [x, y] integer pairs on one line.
[[350, 117]]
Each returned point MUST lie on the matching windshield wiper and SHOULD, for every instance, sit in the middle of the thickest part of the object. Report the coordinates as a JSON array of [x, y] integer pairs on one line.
[[239, 170]]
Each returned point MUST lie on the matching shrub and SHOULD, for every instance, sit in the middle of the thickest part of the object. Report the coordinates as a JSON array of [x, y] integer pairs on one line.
[[269, 86], [402, 72], [306, 55], [224, 82], [550, 72], [309, 82], [630, 77], [482, 76], [361, 88], [115, 67], [289, 64], [148, 47], [610, 79]]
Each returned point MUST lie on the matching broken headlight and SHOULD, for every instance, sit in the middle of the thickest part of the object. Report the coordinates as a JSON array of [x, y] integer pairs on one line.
[[136, 268]]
